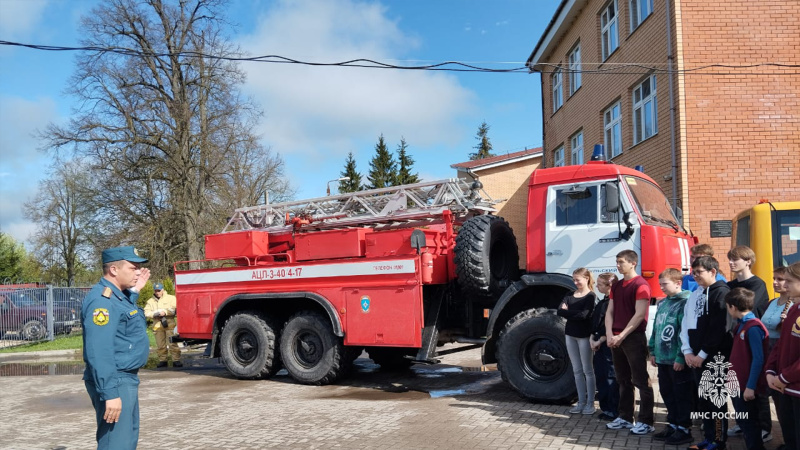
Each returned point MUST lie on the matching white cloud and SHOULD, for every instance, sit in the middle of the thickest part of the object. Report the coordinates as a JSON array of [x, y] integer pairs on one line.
[[19, 18], [21, 164], [19, 121], [327, 111]]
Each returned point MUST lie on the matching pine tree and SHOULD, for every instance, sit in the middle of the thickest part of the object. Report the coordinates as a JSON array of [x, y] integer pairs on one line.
[[484, 147], [404, 175], [354, 183], [382, 167]]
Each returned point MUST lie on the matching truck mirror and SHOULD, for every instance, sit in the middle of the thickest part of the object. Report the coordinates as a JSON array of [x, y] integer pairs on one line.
[[418, 240], [578, 192], [629, 221], [612, 197]]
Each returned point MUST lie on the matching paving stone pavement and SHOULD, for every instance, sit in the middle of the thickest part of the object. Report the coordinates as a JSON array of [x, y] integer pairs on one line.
[[452, 405]]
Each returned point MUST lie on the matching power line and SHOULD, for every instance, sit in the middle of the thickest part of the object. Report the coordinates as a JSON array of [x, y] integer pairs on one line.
[[446, 66]]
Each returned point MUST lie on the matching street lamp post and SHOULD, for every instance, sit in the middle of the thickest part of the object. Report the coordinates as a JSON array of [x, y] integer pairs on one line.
[[338, 179]]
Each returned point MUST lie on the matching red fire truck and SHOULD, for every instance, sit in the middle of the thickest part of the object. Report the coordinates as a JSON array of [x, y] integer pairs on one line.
[[307, 285]]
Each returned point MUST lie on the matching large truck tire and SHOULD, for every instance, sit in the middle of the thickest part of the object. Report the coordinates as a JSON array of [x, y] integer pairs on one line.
[[391, 358], [532, 357], [248, 346], [311, 353], [486, 257]]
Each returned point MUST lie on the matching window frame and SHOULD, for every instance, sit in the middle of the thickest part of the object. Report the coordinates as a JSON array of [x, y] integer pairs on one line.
[[584, 216], [558, 156], [639, 110], [634, 7], [557, 82], [611, 24], [614, 126], [576, 149], [574, 63]]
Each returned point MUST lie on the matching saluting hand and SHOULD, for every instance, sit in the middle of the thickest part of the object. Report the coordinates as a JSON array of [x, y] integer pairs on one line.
[[143, 278], [113, 410]]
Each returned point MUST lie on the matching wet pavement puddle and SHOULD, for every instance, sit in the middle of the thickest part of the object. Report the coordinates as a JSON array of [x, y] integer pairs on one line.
[[418, 382]]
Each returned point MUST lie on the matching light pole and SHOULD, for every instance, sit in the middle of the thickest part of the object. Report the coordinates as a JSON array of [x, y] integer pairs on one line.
[[338, 179]]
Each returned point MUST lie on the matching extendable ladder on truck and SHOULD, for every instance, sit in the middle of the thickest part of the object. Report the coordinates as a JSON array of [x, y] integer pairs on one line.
[[405, 203]]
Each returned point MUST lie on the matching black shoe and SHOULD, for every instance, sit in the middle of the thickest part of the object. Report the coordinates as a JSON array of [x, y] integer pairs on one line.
[[161, 364], [665, 433], [606, 416], [679, 437], [177, 364]]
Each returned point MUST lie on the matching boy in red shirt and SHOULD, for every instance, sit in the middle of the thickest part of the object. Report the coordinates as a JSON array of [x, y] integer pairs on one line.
[[626, 320], [747, 362]]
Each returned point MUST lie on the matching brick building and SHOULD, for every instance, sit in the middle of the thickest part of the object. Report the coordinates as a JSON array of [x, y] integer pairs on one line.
[[506, 177], [732, 136]]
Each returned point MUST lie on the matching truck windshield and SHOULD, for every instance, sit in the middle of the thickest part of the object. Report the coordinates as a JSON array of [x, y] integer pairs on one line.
[[786, 243], [652, 203]]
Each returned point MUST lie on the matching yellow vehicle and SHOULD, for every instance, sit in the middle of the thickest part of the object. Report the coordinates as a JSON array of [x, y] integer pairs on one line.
[[772, 230]]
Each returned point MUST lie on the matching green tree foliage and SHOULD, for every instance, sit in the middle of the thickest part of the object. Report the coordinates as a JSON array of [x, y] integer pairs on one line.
[[354, 183], [382, 167], [12, 256], [484, 147], [16, 264], [405, 161]]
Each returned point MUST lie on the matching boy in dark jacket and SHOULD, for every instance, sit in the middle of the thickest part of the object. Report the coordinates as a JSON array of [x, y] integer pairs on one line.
[[747, 362], [706, 344], [607, 387]]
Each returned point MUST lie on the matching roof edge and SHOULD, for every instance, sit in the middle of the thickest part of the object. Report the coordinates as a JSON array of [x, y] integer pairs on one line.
[[556, 23]]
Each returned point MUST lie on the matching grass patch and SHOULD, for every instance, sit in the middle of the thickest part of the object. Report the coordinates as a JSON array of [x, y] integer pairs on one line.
[[69, 342]]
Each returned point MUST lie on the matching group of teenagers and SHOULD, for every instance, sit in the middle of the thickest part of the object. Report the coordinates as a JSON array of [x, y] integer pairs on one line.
[[712, 339]]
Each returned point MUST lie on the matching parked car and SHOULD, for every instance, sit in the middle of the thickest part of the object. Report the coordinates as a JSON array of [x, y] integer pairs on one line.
[[25, 315]]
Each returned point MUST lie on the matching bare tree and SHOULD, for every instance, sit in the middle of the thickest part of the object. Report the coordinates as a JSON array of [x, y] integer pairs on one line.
[[62, 211], [163, 124]]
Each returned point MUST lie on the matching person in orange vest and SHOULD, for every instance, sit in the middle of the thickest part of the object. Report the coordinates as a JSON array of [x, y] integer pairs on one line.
[[161, 309]]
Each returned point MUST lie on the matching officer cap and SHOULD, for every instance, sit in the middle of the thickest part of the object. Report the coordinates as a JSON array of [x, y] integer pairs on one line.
[[128, 253], [158, 287]]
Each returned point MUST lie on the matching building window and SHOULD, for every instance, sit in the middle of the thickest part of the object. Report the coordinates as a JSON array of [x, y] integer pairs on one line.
[[575, 69], [558, 157], [576, 148], [640, 9], [645, 123], [608, 24], [612, 123], [558, 98]]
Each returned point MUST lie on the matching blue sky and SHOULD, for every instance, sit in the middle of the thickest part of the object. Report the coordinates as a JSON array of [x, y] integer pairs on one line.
[[312, 116]]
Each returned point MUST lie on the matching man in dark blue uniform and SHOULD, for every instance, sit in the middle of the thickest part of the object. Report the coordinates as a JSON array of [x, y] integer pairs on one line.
[[115, 346]]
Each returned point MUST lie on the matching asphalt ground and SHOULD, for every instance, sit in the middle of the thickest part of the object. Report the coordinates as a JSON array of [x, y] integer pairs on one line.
[[452, 405]]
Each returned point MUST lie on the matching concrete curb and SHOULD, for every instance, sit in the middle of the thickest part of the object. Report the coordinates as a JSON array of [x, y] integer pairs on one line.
[[49, 355]]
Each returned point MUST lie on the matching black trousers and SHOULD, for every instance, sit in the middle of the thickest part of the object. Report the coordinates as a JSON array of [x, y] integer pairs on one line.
[[677, 389]]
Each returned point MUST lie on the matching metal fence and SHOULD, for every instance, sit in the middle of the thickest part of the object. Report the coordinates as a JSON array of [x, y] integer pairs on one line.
[[37, 313]]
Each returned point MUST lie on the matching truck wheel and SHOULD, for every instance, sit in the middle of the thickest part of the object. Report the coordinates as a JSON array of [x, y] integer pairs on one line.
[[486, 257], [391, 358], [247, 346], [33, 330], [311, 353], [532, 357]]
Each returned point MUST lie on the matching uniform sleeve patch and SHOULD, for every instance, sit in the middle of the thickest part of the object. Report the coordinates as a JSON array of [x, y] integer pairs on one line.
[[100, 316]]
